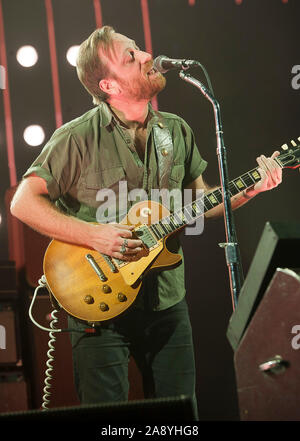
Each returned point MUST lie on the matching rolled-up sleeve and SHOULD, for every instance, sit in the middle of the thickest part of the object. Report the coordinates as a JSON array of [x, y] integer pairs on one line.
[[58, 163]]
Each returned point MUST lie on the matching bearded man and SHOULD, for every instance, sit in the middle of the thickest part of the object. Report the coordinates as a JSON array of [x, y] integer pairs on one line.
[[123, 139]]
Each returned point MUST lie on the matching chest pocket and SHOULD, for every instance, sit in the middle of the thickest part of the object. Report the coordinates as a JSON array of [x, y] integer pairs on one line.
[[93, 182], [176, 176], [111, 177], [108, 178]]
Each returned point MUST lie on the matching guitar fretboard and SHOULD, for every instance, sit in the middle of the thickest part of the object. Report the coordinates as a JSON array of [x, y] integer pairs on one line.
[[189, 213]]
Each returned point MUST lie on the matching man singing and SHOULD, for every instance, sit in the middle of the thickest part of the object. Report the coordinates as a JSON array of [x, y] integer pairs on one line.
[[122, 139]]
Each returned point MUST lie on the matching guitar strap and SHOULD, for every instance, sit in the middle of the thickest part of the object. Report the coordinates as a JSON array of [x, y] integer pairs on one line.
[[164, 152]]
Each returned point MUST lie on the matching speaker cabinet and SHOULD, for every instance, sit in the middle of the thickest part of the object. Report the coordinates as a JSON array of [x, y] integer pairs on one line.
[[9, 345], [278, 247], [267, 359], [165, 410], [263, 329]]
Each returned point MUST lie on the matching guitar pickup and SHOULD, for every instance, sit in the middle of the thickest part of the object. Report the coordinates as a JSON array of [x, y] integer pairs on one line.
[[143, 233]]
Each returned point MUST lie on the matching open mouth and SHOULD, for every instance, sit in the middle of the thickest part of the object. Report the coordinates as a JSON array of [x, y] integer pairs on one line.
[[152, 71]]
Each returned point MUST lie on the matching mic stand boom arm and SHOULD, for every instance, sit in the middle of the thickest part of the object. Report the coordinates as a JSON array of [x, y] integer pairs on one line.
[[231, 248]]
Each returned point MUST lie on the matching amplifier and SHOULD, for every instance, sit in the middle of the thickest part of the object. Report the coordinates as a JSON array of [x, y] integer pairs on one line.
[[278, 248], [8, 335]]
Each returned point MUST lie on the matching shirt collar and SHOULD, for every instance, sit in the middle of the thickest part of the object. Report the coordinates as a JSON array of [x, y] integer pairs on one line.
[[106, 116]]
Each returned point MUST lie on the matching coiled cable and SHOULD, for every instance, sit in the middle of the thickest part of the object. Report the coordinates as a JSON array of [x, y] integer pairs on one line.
[[48, 376], [42, 283]]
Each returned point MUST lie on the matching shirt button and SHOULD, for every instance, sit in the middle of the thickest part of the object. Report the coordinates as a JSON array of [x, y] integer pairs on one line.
[[164, 152], [160, 124]]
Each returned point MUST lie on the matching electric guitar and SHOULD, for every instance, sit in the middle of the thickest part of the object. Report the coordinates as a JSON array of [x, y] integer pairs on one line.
[[95, 287]]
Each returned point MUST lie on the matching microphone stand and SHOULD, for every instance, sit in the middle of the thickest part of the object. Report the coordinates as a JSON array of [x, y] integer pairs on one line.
[[231, 248]]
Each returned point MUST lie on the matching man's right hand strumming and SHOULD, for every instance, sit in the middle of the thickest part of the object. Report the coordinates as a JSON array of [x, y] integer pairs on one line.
[[115, 240], [32, 205]]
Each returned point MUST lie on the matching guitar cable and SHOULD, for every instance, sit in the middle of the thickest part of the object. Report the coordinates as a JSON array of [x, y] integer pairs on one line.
[[42, 283], [48, 376]]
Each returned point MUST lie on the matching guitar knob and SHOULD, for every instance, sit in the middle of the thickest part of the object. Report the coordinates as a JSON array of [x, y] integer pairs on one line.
[[89, 299], [106, 289], [122, 297], [103, 306]]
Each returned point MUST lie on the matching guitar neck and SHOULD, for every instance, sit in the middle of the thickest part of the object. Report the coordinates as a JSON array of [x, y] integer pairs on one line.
[[215, 198], [190, 212]]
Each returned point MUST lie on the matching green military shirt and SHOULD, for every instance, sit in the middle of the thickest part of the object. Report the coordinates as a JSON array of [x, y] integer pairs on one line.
[[94, 153]]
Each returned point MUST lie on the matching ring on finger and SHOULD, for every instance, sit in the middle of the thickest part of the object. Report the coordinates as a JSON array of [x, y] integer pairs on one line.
[[123, 246]]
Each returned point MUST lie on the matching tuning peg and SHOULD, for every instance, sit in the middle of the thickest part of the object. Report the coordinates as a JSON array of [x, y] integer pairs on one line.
[[285, 147], [294, 144]]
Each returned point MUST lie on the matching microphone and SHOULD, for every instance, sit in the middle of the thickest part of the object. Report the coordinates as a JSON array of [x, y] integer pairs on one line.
[[162, 63]]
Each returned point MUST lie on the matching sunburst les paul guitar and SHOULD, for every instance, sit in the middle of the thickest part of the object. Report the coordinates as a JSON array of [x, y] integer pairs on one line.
[[95, 287]]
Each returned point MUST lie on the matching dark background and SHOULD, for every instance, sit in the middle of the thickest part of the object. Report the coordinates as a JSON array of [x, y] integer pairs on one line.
[[249, 51]]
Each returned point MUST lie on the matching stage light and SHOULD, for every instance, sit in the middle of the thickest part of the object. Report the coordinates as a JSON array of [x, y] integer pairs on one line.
[[72, 55], [34, 135], [27, 56]]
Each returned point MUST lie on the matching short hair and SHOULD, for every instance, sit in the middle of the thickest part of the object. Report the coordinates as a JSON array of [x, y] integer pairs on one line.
[[90, 68]]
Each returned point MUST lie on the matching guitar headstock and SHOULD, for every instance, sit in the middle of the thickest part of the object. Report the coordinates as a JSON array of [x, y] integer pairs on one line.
[[290, 155]]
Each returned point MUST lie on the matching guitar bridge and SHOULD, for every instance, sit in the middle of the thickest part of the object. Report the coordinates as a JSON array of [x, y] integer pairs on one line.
[[96, 267], [110, 263]]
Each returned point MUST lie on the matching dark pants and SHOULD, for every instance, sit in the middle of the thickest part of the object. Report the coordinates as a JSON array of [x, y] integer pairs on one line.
[[160, 342]]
